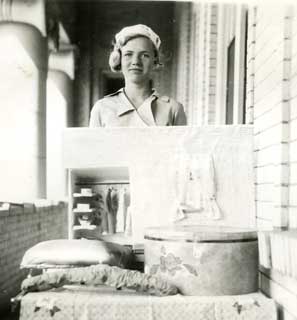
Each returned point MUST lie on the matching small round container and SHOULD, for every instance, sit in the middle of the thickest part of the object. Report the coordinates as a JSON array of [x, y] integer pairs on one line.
[[204, 260]]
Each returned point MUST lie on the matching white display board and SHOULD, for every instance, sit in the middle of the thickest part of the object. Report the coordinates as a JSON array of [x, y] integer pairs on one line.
[[153, 158]]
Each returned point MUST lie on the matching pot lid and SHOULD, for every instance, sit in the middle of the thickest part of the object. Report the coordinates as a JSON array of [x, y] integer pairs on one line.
[[201, 234]]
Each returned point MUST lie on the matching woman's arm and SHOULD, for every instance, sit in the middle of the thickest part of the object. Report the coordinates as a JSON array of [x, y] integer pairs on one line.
[[180, 118], [95, 118]]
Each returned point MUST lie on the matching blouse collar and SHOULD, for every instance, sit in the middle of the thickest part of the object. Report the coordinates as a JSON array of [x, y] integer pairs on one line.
[[126, 105]]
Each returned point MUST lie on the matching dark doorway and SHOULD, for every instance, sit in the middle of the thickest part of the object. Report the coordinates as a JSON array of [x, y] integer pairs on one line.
[[110, 82], [112, 85]]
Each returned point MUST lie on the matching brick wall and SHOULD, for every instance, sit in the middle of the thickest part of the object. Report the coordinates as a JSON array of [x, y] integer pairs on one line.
[[270, 117], [271, 106], [293, 123], [21, 227]]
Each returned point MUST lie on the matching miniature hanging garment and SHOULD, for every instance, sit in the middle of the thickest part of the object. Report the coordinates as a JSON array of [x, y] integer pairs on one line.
[[128, 227], [112, 208], [124, 201], [196, 187]]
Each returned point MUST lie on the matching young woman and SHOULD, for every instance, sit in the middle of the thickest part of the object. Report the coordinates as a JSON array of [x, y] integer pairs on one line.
[[136, 55]]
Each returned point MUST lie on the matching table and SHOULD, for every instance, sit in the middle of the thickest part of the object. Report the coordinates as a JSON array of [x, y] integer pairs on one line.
[[81, 303]]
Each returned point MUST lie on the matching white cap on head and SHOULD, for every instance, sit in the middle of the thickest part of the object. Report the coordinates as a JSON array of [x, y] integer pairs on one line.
[[137, 30]]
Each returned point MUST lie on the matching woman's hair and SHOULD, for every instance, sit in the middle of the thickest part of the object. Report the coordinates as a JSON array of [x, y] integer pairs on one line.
[[129, 33], [116, 55]]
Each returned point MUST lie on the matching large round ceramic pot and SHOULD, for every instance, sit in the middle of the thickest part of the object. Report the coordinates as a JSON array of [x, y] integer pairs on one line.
[[203, 260]]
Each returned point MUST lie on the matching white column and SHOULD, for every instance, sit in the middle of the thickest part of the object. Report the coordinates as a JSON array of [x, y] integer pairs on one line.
[[30, 12], [23, 65], [59, 116]]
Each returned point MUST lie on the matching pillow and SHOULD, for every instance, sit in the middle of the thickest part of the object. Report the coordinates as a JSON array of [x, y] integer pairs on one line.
[[76, 252]]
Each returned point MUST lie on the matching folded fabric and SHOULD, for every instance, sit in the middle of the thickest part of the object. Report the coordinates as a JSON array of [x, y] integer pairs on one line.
[[100, 275], [76, 252]]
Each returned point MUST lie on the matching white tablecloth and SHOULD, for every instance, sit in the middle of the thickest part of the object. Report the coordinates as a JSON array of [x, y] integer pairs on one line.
[[78, 303]]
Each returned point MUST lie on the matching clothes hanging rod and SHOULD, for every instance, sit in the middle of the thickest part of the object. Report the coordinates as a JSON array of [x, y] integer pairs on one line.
[[101, 182]]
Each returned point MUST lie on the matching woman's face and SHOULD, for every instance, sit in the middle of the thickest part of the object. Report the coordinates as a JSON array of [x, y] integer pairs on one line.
[[137, 60]]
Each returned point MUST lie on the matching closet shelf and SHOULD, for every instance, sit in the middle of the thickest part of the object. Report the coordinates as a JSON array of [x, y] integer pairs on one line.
[[88, 227], [76, 210], [80, 195], [102, 182]]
